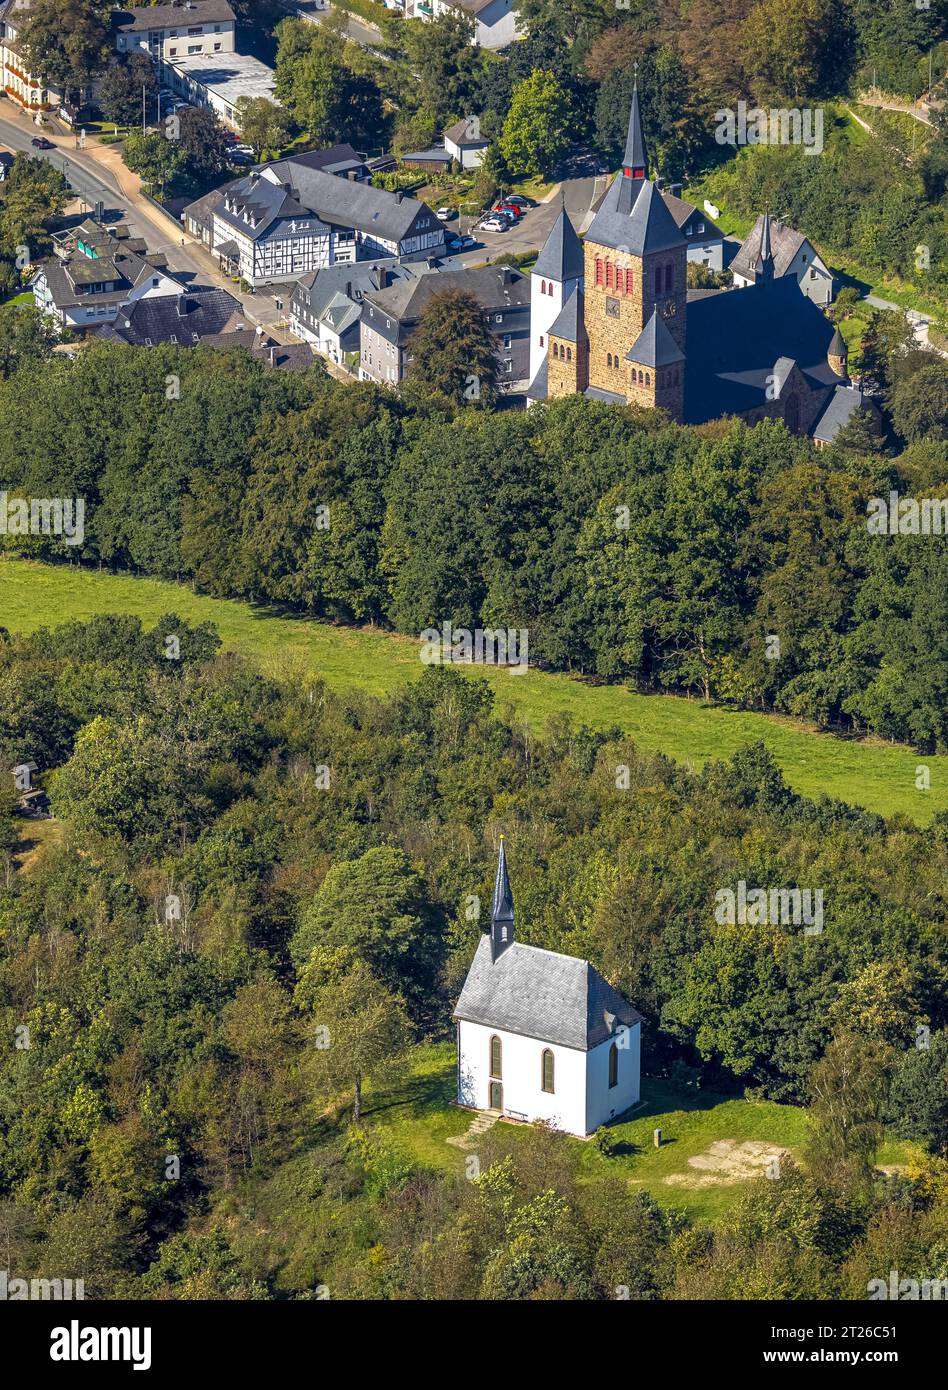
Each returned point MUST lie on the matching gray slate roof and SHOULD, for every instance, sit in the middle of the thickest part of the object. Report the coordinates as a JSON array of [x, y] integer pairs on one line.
[[648, 226], [140, 18], [562, 254], [540, 384], [736, 340], [784, 245], [596, 393], [542, 995], [348, 204], [495, 288], [635, 156], [841, 407], [462, 133], [681, 210], [568, 320], [183, 318], [655, 346]]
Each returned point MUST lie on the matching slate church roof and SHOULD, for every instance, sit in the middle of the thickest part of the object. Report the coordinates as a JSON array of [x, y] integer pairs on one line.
[[562, 255], [542, 995], [738, 338]]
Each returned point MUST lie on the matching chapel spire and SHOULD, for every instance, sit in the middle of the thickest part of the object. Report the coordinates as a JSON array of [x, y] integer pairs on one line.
[[502, 909], [764, 267]]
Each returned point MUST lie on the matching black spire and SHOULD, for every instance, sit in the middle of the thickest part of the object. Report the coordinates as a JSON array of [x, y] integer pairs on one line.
[[764, 267], [635, 160], [502, 909]]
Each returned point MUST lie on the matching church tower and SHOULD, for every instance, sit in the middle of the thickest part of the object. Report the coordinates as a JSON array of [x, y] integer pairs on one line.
[[502, 909], [636, 261], [556, 275]]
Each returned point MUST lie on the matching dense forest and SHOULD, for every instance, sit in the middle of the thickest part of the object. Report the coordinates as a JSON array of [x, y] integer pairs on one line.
[[170, 1125], [629, 548]]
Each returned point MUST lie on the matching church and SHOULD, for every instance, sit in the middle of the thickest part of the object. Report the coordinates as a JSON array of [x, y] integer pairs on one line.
[[542, 1036], [613, 317]]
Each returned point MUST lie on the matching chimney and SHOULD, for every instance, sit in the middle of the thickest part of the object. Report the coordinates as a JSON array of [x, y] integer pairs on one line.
[[399, 195], [348, 289], [674, 189], [182, 305]]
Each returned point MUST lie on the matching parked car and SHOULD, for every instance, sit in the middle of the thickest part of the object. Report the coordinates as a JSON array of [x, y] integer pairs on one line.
[[495, 223], [445, 214], [510, 209], [461, 243], [241, 148], [518, 201], [40, 142]]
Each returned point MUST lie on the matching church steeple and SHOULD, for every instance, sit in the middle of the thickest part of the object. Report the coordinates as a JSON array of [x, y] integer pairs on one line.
[[764, 265], [635, 160], [502, 909]]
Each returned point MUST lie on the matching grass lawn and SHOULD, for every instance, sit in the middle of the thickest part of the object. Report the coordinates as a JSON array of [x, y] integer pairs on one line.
[[25, 297], [877, 775], [419, 1116]]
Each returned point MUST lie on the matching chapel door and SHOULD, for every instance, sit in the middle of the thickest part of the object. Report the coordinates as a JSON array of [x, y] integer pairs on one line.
[[496, 1096]]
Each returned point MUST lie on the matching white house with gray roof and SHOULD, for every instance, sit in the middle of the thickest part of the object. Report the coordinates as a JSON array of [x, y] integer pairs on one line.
[[792, 253], [542, 1036]]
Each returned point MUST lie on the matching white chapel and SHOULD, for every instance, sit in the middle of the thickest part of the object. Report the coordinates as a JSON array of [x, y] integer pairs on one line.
[[543, 1036]]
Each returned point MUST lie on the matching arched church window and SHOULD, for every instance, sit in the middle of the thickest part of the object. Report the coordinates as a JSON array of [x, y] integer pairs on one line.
[[556, 349], [546, 1077], [608, 359], [613, 1066], [648, 379], [569, 354], [495, 1057]]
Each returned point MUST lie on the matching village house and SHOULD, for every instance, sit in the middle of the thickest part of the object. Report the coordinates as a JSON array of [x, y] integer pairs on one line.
[[792, 254], [542, 1036], [326, 307], [390, 316], [98, 273], [185, 28], [464, 142], [495, 21], [288, 218]]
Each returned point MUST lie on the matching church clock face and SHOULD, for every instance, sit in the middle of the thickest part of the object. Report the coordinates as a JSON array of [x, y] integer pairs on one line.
[[669, 309]]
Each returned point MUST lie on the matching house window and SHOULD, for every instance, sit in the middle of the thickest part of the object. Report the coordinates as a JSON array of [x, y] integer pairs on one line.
[[495, 1058], [688, 231], [613, 1066], [700, 227], [547, 1071]]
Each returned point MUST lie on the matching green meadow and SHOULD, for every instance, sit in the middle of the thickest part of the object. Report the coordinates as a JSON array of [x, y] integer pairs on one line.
[[869, 773]]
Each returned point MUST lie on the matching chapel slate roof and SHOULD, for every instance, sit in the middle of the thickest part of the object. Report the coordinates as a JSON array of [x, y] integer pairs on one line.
[[540, 994], [562, 255], [646, 227], [736, 340], [655, 346], [540, 384]]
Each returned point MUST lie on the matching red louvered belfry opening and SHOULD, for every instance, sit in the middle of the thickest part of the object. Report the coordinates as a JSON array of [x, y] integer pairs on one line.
[[634, 173]]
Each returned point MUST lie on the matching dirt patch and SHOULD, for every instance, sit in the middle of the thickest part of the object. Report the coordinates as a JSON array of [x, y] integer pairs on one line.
[[728, 1161]]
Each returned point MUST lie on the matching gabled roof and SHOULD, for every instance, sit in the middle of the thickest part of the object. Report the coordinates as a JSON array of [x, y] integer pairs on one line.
[[496, 288], [655, 346], [334, 160], [840, 408], [542, 995], [348, 204], [562, 255], [569, 319], [467, 133], [784, 245], [646, 227], [681, 210]]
